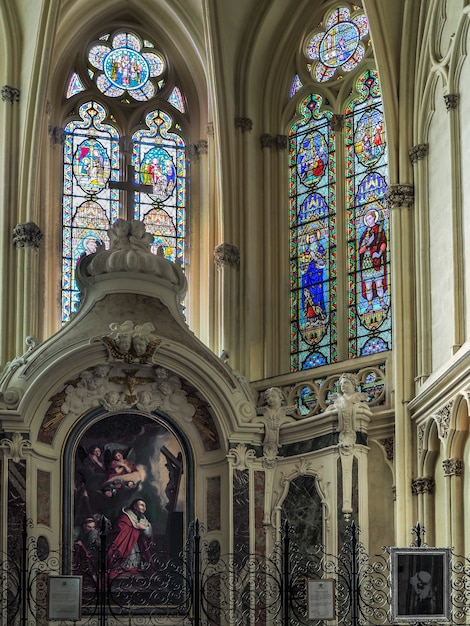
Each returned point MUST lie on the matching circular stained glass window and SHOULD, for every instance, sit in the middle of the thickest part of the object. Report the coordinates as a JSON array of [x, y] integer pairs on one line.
[[126, 68], [339, 44]]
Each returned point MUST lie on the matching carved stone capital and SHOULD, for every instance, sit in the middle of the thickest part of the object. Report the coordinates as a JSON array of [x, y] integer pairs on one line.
[[15, 446], [10, 94], [210, 129], [27, 235], [388, 445], [337, 122], [424, 485], [202, 146], [452, 467], [418, 152], [280, 142], [266, 141], [227, 254], [57, 134], [399, 195], [451, 100], [245, 123]]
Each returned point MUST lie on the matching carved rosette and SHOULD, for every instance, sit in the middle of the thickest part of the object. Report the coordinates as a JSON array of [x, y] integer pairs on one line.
[[424, 485], [400, 195], [27, 235], [244, 123], [453, 467], [418, 152], [10, 94], [227, 255]]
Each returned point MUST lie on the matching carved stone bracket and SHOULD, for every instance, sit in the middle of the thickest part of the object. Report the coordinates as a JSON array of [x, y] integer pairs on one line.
[[228, 255], [10, 94], [451, 100], [202, 146], [27, 235], [424, 485], [402, 194], [452, 467], [418, 152], [15, 446], [244, 123]]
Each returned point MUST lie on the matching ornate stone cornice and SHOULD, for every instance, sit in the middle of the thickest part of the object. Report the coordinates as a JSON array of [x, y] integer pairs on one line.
[[266, 141], [27, 235], [245, 123], [337, 122], [388, 445], [228, 255], [399, 195], [418, 152], [280, 141], [451, 100], [202, 146], [423, 485], [10, 94], [452, 467]]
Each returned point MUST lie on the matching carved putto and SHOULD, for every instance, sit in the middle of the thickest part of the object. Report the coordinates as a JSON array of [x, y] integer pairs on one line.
[[131, 343]]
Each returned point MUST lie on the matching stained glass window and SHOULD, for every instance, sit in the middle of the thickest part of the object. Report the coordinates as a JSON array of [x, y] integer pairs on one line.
[[368, 221], [339, 222], [125, 66], [91, 155], [339, 44], [159, 156], [313, 239]]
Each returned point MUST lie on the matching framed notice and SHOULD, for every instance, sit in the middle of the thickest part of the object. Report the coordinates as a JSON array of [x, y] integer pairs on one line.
[[321, 599], [64, 598], [420, 584]]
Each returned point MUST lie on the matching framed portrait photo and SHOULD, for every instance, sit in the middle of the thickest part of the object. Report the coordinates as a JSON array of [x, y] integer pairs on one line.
[[420, 584]]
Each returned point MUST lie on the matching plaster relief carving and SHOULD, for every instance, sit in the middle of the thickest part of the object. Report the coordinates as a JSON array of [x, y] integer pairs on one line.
[[240, 456], [15, 446], [117, 388]]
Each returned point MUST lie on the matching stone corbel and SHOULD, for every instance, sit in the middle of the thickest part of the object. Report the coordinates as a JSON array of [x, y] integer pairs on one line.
[[10, 94], [15, 447], [244, 123], [418, 152], [451, 100]]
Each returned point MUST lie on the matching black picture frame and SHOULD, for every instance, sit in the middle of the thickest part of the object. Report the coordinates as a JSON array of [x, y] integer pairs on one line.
[[420, 584]]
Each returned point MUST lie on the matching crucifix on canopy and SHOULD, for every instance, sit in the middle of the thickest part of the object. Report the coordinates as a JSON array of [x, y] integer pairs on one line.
[[129, 187]]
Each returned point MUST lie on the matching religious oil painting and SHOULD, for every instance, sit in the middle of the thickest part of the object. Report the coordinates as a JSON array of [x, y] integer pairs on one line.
[[420, 584], [130, 509]]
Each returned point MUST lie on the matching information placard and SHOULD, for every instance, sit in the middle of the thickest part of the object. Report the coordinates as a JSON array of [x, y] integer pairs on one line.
[[64, 598], [321, 599]]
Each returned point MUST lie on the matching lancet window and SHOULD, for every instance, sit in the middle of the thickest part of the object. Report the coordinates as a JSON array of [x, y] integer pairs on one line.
[[339, 222]]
